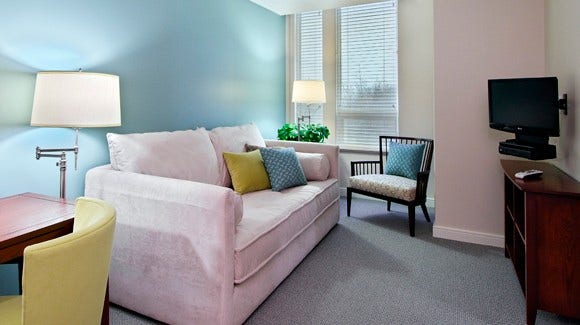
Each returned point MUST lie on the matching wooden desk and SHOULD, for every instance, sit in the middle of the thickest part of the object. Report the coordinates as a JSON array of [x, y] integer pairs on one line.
[[29, 218]]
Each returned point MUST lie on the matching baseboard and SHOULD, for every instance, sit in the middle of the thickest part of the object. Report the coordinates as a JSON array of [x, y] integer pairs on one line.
[[468, 236], [430, 202]]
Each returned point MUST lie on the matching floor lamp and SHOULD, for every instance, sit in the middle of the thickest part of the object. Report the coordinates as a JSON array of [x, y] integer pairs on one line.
[[307, 92], [74, 100]]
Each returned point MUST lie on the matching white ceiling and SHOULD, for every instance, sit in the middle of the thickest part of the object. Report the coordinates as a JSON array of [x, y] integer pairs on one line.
[[287, 7]]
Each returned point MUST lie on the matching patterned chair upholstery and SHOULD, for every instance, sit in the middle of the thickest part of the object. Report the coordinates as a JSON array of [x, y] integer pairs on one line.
[[369, 178]]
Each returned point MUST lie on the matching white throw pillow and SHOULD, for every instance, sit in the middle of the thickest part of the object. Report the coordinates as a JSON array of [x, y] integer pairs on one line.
[[187, 154], [233, 139], [316, 166]]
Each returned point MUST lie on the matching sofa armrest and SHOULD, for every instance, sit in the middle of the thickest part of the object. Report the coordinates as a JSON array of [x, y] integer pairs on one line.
[[174, 243], [330, 150]]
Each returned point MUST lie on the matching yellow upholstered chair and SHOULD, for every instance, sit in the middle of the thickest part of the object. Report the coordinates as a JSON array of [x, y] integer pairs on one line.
[[64, 279]]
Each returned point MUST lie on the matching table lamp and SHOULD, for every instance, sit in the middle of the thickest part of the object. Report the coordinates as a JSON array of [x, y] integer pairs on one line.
[[74, 100], [307, 92]]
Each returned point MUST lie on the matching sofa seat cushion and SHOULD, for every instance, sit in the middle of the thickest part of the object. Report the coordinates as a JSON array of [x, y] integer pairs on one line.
[[273, 219], [389, 185]]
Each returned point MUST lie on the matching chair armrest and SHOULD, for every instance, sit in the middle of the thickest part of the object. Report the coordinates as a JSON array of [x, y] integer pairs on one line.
[[422, 180], [364, 167]]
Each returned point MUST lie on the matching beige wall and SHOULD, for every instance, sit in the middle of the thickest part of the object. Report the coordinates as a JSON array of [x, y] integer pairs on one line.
[[474, 41], [416, 68], [415, 80], [563, 61]]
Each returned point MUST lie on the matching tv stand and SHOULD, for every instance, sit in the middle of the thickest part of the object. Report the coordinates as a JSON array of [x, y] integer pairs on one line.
[[531, 139], [528, 146], [541, 237]]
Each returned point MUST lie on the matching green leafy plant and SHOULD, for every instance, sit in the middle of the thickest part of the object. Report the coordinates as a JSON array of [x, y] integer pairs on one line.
[[308, 132]]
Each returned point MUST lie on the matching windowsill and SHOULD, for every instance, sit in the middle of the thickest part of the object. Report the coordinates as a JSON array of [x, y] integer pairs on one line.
[[358, 150]]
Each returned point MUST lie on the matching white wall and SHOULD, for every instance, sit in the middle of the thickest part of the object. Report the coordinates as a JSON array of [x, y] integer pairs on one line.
[[415, 81], [563, 61], [475, 41]]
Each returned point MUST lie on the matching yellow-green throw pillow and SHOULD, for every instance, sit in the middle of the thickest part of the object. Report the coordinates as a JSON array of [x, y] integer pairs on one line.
[[247, 171]]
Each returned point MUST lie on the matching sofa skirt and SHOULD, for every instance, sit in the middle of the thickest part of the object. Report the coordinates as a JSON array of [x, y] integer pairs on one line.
[[254, 290]]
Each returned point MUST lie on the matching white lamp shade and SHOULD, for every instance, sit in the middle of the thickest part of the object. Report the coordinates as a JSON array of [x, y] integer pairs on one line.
[[76, 99], [308, 92]]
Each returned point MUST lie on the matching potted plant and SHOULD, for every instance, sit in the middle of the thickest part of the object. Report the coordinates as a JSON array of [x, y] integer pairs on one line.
[[308, 132]]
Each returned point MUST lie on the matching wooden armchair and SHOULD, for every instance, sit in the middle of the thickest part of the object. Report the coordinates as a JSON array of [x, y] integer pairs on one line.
[[369, 178]]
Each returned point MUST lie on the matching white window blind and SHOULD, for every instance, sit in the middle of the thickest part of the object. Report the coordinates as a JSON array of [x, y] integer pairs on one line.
[[367, 92], [309, 56]]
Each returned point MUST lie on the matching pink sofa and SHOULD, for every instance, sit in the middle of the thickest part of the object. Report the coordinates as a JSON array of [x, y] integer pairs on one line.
[[191, 252]]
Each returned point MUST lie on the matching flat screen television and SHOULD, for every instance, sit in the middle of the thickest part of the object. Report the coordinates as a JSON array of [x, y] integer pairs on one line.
[[527, 107]]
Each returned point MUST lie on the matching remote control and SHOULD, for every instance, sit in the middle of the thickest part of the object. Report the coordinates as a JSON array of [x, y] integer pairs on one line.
[[532, 173]]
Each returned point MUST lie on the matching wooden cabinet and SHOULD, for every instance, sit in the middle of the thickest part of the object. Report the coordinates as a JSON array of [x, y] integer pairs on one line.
[[542, 237]]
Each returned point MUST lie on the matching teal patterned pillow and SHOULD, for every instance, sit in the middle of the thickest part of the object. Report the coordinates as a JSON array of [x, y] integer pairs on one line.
[[404, 159], [283, 168]]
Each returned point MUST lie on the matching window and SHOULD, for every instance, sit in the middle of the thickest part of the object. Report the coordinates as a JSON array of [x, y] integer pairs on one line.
[[367, 101], [309, 56], [365, 41]]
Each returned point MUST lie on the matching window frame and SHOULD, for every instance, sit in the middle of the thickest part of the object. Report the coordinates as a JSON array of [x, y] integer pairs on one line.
[[330, 72]]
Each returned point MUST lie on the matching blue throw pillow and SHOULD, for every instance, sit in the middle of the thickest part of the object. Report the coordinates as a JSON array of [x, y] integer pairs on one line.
[[283, 168], [404, 159]]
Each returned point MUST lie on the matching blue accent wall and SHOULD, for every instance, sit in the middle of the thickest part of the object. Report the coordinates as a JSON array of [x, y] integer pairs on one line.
[[182, 64]]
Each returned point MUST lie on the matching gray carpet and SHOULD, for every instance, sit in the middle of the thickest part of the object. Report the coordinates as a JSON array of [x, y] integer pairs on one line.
[[369, 271]]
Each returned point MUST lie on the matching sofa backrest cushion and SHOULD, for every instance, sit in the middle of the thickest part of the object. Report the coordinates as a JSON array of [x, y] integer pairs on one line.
[[187, 154], [233, 139]]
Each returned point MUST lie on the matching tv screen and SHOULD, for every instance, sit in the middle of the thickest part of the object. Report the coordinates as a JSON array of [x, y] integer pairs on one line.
[[527, 106]]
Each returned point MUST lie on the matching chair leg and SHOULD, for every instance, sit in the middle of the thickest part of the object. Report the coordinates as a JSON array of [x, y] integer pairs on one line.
[[388, 205], [425, 213], [412, 220], [348, 199]]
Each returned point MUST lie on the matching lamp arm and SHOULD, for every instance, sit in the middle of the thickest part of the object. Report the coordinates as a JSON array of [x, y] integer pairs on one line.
[[40, 152]]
